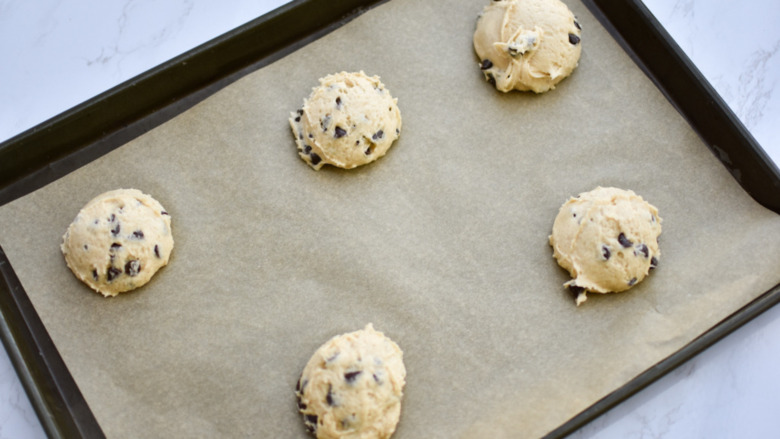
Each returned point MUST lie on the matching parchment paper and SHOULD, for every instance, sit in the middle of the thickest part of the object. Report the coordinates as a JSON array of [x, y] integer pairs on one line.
[[442, 244]]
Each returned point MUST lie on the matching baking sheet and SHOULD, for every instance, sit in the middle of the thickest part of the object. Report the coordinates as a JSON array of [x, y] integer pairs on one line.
[[442, 244]]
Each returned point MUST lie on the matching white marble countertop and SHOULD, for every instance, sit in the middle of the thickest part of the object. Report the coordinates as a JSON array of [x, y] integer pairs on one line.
[[58, 53]]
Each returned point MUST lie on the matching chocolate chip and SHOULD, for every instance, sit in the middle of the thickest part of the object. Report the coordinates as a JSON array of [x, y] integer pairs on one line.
[[311, 422], [157, 251], [311, 136], [397, 131], [338, 102], [644, 250], [368, 151], [298, 119], [301, 405], [94, 274], [577, 24], [653, 262], [576, 290], [300, 111], [115, 246], [339, 132], [624, 241], [605, 252], [574, 39], [486, 64], [298, 385], [112, 218], [163, 213], [325, 122], [138, 234], [329, 397], [315, 159], [491, 79], [333, 357], [378, 135], [307, 149], [133, 267], [376, 378], [86, 247], [632, 282], [115, 230], [352, 376], [112, 273]]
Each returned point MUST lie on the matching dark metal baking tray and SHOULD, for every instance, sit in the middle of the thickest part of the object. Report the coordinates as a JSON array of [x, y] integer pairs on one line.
[[78, 136]]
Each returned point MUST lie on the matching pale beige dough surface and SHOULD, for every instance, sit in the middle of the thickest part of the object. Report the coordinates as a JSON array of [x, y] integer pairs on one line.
[[607, 239], [527, 45], [118, 241], [349, 120], [352, 387]]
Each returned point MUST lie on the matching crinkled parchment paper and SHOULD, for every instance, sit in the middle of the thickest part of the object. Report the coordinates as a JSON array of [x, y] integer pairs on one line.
[[442, 244]]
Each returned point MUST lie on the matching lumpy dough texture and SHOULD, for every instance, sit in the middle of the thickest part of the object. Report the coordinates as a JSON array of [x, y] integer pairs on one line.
[[527, 44], [118, 241], [607, 239], [352, 387], [349, 120]]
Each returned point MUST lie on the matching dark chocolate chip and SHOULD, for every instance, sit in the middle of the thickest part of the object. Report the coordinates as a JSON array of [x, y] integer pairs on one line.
[[112, 273], [115, 230], [133, 267], [653, 262], [329, 396], [112, 218], [301, 405], [605, 252], [86, 247], [311, 136], [368, 151], [486, 64], [574, 39], [644, 250], [576, 290], [325, 122], [94, 274], [625, 242], [397, 131], [352, 376], [315, 159], [577, 24], [338, 102], [163, 213], [300, 111], [157, 251], [375, 377], [632, 282], [491, 79], [378, 135], [138, 234], [339, 132], [115, 246], [311, 422], [298, 119], [298, 385], [307, 149]]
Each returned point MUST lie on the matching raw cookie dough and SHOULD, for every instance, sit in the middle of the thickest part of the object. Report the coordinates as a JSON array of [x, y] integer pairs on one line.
[[118, 241], [352, 387], [607, 239], [527, 44], [349, 120]]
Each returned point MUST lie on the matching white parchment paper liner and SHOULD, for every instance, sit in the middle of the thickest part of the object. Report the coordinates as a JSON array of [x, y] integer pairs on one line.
[[442, 244]]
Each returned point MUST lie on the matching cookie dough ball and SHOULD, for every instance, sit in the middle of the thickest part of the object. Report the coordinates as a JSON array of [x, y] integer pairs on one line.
[[352, 387], [349, 120], [527, 44], [607, 239], [118, 241]]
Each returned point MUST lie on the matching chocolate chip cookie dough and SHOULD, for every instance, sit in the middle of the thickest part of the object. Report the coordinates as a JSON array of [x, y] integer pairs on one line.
[[118, 241], [349, 120], [607, 239], [352, 387], [527, 44]]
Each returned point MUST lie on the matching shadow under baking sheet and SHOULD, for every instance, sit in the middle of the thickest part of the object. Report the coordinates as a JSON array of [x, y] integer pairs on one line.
[[442, 244]]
